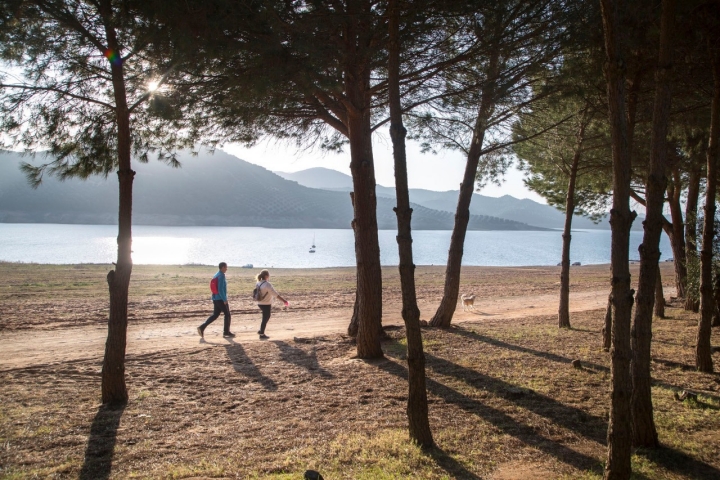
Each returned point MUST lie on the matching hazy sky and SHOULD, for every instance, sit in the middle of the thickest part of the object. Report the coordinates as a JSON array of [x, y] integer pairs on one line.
[[439, 172]]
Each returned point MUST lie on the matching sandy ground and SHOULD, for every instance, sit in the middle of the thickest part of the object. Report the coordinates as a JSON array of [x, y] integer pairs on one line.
[[41, 347], [505, 397]]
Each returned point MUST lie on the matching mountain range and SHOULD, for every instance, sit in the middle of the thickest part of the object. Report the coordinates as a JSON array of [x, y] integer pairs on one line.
[[507, 207], [210, 189]]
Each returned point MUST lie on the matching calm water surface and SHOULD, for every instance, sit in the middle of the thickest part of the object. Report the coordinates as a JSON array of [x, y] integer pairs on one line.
[[288, 248]]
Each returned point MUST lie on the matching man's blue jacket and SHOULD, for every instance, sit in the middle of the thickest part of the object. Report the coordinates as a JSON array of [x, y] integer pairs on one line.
[[222, 287]]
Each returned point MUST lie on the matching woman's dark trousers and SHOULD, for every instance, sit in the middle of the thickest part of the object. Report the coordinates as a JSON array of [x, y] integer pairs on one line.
[[265, 317]]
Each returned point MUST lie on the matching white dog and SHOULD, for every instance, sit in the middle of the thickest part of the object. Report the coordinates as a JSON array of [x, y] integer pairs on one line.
[[468, 301]]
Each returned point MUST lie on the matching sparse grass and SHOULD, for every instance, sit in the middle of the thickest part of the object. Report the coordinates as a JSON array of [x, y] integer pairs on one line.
[[503, 398]]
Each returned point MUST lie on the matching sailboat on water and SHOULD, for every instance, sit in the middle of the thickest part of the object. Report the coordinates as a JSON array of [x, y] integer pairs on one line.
[[312, 249]]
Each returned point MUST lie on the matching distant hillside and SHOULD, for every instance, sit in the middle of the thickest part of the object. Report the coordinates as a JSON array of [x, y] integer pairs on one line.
[[319, 177], [507, 207], [217, 189]]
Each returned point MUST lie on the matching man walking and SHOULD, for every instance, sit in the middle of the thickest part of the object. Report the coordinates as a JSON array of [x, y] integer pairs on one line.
[[218, 286]]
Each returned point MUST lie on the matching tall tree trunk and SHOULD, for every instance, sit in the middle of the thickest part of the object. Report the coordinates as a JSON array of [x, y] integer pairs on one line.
[[691, 205], [633, 97], [367, 246], [703, 353], [362, 168], [114, 390], [564, 308], [659, 297], [675, 232], [619, 427], [417, 405], [443, 315], [644, 432]]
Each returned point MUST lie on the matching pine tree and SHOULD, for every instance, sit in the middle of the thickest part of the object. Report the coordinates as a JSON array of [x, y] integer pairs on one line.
[[86, 91], [417, 406], [621, 218]]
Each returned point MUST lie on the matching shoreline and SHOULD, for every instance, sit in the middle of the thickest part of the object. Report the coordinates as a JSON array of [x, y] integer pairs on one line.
[[192, 265]]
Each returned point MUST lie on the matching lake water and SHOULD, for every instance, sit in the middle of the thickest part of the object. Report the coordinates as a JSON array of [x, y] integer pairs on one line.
[[288, 248]]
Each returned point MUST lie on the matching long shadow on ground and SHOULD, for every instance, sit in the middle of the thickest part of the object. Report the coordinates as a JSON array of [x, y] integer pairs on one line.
[[680, 463], [244, 365], [101, 444], [589, 426], [671, 459], [299, 357], [526, 434], [587, 366], [517, 348], [450, 465]]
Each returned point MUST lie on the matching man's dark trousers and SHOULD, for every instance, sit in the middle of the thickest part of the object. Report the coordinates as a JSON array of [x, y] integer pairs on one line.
[[219, 307]]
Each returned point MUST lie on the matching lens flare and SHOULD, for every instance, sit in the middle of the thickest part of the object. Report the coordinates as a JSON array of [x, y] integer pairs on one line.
[[113, 56]]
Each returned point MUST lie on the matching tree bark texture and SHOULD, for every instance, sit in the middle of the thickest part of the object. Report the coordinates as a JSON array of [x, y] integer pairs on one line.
[[354, 320], [607, 328], [659, 297], [644, 431], [675, 232], [367, 247], [417, 405], [691, 205], [564, 307], [362, 168], [716, 294], [703, 353], [632, 91], [448, 304], [619, 435], [114, 389]]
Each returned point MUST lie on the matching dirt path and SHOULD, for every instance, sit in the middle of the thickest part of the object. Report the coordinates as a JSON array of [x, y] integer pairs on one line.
[[41, 347]]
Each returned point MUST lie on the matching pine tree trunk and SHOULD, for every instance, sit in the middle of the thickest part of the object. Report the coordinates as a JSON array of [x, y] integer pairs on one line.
[[114, 390], [367, 246], [564, 307], [357, 98], [703, 353], [417, 406], [675, 232], [659, 297], [691, 205], [716, 295], [354, 320], [446, 310], [633, 95], [607, 328], [644, 432], [619, 427]]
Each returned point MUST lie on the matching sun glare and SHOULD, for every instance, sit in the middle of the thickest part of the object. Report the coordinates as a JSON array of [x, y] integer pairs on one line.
[[162, 250], [153, 85]]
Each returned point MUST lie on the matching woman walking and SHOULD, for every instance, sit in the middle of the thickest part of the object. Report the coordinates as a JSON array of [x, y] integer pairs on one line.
[[265, 295]]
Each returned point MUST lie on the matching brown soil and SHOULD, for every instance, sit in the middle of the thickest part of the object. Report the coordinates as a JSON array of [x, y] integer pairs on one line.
[[505, 401]]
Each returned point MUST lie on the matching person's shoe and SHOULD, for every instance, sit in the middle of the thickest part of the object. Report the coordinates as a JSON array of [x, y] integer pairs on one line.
[[200, 332], [228, 335], [263, 336]]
